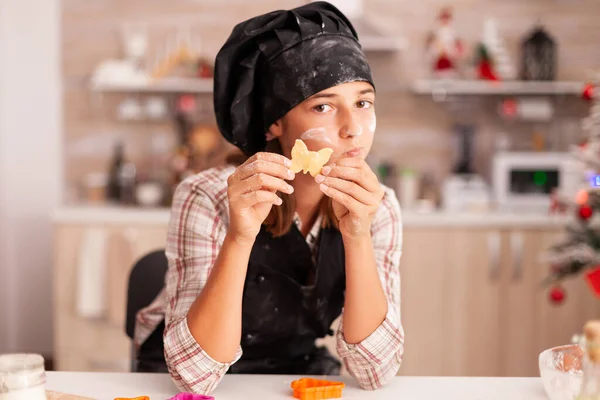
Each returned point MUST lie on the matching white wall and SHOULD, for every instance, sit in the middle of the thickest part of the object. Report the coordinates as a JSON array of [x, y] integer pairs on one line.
[[30, 169]]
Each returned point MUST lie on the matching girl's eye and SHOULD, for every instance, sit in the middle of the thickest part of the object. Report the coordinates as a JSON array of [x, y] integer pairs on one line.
[[321, 108], [364, 104]]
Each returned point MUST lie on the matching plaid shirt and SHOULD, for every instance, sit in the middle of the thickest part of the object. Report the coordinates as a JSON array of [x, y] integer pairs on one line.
[[198, 224]]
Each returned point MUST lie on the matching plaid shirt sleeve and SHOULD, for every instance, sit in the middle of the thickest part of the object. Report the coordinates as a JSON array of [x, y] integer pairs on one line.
[[375, 360], [196, 232]]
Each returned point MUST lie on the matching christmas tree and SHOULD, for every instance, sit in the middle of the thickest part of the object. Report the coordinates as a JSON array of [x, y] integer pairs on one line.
[[579, 252]]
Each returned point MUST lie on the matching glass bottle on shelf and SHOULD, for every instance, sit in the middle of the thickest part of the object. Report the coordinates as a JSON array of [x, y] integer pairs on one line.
[[114, 173], [153, 176], [590, 384], [121, 178]]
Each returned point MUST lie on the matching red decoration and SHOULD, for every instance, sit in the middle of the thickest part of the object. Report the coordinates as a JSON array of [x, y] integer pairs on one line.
[[557, 295], [588, 92], [445, 15], [444, 48], [186, 103], [460, 48], [485, 64], [205, 70], [582, 197], [556, 204], [486, 72], [593, 279], [585, 212], [509, 108], [443, 63]]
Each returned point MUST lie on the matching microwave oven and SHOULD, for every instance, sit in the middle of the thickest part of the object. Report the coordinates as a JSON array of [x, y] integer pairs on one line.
[[525, 181]]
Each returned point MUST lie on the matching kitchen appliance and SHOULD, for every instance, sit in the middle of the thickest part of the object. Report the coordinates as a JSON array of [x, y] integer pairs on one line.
[[466, 193], [464, 190], [525, 181]]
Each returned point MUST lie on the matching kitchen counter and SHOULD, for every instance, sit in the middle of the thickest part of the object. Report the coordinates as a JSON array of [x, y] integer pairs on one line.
[[107, 386], [111, 215], [160, 216]]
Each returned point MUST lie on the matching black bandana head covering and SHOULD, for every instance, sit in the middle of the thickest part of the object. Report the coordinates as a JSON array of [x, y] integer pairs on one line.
[[273, 62]]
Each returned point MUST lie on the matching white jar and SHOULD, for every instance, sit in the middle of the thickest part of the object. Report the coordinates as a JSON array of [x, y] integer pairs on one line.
[[22, 377]]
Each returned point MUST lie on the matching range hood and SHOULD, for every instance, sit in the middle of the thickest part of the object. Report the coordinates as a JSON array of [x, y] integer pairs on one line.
[[371, 37]]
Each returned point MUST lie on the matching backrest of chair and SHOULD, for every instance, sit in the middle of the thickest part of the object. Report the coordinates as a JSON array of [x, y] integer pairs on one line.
[[146, 280]]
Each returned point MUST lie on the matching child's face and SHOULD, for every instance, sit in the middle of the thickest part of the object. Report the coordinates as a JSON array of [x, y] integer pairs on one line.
[[341, 118]]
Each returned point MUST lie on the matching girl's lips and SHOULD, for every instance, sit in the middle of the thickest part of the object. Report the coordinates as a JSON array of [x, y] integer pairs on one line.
[[354, 152]]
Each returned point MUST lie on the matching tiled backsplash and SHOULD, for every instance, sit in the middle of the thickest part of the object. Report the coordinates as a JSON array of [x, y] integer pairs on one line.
[[412, 129]]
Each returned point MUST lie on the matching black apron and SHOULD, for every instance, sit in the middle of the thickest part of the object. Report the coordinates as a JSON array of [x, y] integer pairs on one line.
[[283, 312]]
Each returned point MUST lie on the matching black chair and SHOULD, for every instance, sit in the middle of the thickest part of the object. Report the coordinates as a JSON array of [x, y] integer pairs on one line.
[[146, 280]]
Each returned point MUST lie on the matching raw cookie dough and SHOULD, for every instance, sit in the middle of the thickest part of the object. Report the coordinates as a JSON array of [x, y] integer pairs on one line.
[[308, 161]]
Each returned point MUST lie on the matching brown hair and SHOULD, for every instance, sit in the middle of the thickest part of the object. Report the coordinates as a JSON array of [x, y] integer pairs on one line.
[[280, 219]]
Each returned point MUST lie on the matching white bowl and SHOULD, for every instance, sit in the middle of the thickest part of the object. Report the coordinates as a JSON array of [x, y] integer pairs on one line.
[[560, 370]]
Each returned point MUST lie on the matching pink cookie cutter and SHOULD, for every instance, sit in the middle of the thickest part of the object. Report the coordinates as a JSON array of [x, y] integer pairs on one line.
[[191, 396]]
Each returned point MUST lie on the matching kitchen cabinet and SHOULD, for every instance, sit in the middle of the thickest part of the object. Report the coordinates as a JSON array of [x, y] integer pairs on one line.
[[473, 305], [450, 301], [530, 322]]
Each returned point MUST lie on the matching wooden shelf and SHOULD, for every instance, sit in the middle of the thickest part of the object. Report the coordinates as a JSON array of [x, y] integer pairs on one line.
[[475, 87], [166, 85]]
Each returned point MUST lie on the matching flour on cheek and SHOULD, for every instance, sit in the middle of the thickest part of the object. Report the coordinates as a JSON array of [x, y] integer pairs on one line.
[[372, 124], [319, 134]]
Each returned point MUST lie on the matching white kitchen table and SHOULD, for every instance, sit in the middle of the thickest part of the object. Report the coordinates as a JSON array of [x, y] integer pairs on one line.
[[107, 386]]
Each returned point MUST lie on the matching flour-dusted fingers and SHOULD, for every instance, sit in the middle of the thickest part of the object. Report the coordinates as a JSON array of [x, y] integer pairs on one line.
[[269, 163], [262, 181], [360, 174], [260, 196], [354, 206], [350, 188], [252, 192]]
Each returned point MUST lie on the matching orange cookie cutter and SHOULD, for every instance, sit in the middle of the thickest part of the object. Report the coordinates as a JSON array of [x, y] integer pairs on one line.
[[133, 398], [316, 389]]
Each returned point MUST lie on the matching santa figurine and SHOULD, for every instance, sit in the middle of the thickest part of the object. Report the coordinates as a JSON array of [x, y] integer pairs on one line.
[[444, 48]]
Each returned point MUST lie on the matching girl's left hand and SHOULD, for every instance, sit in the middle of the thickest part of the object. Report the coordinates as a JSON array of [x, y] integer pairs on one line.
[[356, 194]]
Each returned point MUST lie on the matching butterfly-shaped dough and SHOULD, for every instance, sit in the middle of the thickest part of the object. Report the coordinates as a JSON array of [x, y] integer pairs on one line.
[[308, 161]]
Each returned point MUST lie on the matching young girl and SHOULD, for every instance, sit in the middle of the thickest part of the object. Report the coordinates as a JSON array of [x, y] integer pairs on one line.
[[262, 260]]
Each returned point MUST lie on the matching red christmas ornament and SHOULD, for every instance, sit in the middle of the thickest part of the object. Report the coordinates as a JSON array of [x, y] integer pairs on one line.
[[582, 197], [585, 212], [593, 279], [588, 92], [557, 295]]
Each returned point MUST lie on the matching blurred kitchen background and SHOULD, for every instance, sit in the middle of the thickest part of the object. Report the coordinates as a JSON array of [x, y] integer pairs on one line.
[[106, 105]]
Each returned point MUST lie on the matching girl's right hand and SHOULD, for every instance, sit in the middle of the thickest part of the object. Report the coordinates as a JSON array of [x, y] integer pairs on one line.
[[252, 191]]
